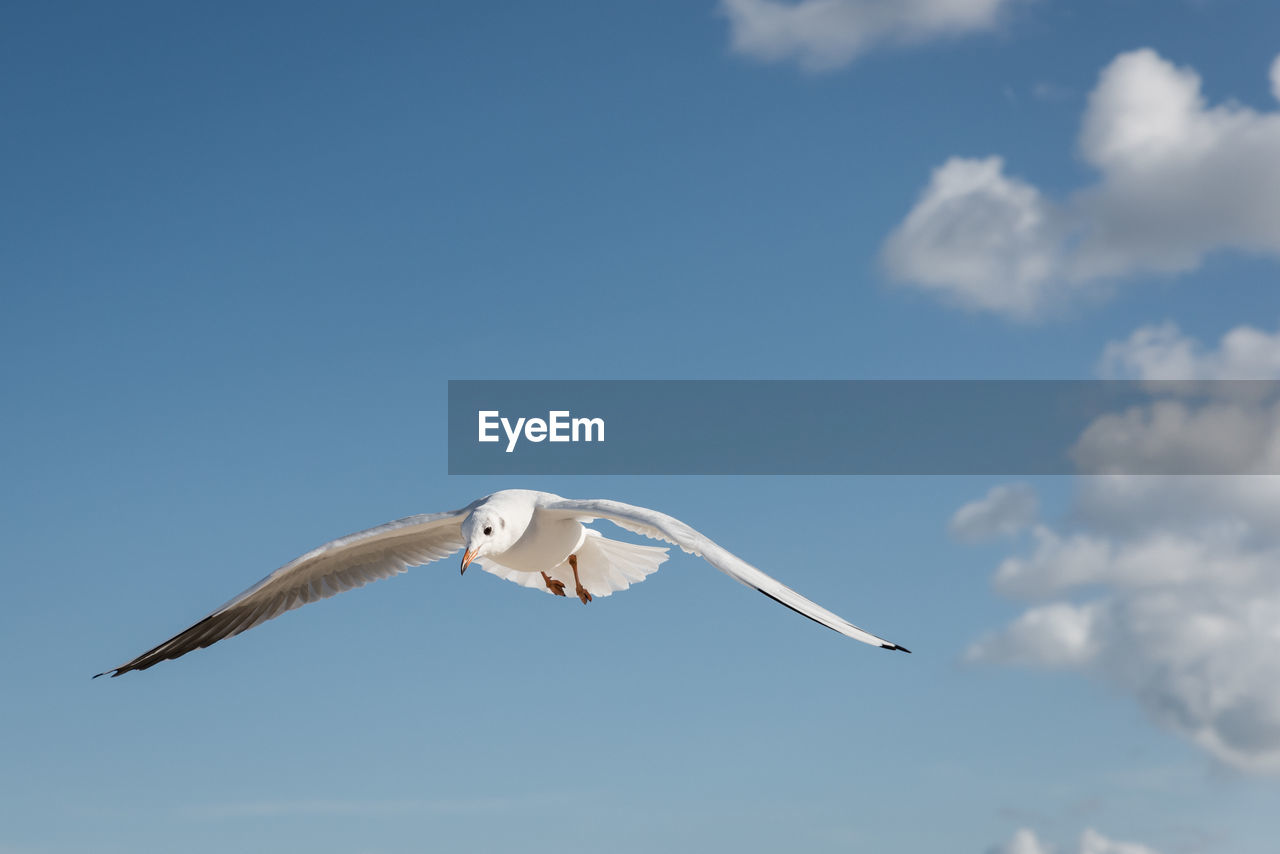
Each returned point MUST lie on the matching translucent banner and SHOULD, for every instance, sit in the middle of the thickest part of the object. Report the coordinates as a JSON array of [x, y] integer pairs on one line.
[[971, 427]]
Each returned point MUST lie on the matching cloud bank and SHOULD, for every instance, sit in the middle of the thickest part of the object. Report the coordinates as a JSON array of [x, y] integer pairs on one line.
[[821, 35], [1178, 179], [1167, 588]]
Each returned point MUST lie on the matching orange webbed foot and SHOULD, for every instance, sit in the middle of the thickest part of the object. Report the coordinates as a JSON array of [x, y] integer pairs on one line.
[[556, 587]]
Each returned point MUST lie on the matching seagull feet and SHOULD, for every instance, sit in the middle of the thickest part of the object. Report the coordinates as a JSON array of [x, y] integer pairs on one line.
[[556, 587], [578, 588]]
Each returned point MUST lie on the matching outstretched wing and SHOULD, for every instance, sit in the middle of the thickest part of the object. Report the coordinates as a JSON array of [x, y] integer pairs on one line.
[[343, 564], [660, 526]]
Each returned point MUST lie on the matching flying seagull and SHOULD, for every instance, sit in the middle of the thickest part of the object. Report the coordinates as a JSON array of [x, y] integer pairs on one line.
[[535, 539]]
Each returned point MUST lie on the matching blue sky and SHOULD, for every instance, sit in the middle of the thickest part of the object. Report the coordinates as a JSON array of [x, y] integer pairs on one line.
[[247, 247]]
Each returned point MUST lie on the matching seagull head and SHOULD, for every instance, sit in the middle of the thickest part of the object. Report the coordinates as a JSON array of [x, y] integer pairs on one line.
[[486, 533]]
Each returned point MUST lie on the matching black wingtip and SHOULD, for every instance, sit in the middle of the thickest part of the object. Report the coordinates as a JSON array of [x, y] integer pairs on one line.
[[895, 646]]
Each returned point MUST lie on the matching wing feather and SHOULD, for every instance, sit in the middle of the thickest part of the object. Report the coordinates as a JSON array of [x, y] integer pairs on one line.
[[660, 526], [343, 564]]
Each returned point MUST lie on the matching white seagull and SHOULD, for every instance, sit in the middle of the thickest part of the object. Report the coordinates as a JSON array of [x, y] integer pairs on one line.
[[535, 539]]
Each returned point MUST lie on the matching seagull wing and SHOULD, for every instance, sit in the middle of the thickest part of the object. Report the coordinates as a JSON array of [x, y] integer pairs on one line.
[[660, 526], [346, 563]]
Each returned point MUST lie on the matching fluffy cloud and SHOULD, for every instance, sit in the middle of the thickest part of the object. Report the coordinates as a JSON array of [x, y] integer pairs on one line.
[[1003, 511], [1189, 618], [1163, 352], [825, 34], [981, 239], [1178, 179], [1025, 841], [1058, 635], [1167, 588]]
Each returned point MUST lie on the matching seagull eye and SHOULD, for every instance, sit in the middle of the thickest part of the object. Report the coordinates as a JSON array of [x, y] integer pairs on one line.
[[488, 531]]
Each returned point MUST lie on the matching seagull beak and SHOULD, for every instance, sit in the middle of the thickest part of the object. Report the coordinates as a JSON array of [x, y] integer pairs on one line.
[[467, 556]]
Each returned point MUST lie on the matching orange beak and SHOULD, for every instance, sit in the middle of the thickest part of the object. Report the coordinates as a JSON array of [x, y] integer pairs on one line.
[[467, 556]]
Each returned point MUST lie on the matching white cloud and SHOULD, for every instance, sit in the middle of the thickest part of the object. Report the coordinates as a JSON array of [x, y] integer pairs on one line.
[[1182, 611], [1025, 841], [1163, 352], [1142, 558], [824, 34], [1135, 504], [1179, 179], [1004, 511], [980, 238], [1168, 587], [1059, 635]]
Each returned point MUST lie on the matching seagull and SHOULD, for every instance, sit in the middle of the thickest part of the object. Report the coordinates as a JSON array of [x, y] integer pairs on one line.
[[535, 539]]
